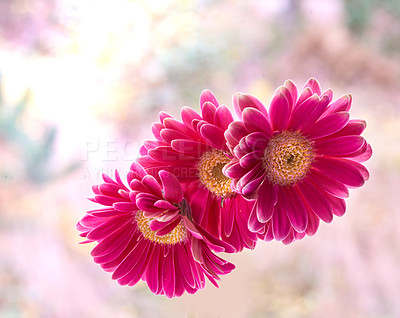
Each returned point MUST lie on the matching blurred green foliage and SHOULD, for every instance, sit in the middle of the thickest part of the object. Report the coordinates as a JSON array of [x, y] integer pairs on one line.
[[33, 155], [375, 21], [359, 12]]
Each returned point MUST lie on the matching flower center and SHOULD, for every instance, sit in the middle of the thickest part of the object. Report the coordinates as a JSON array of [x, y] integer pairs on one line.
[[177, 235], [287, 158], [210, 172]]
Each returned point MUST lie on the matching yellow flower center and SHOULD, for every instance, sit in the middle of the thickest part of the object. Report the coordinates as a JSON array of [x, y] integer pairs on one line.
[[210, 172], [288, 158], [177, 235]]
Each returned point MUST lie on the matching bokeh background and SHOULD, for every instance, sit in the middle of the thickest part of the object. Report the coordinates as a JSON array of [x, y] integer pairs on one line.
[[81, 82]]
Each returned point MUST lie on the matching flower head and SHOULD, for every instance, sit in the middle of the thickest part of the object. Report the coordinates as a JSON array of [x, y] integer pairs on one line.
[[146, 232], [297, 159], [195, 151]]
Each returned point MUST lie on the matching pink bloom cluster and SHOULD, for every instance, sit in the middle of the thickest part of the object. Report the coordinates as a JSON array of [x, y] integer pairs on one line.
[[208, 184]]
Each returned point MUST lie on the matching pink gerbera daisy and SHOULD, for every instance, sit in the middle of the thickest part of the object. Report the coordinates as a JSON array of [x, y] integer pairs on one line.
[[146, 232], [297, 159], [195, 151]]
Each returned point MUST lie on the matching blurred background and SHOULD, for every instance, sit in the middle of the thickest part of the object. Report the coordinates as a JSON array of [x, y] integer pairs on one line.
[[80, 84]]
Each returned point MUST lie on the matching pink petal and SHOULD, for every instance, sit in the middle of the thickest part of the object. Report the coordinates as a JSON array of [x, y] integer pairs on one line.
[[228, 212], [214, 243], [256, 141], [171, 186], [169, 155], [151, 144], [135, 167], [185, 266], [313, 222], [289, 238], [295, 209], [315, 114], [254, 224], [305, 94], [329, 125], [242, 101], [251, 159], [112, 242], [328, 93], [113, 247], [151, 183], [168, 135], [125, 206], [188, 115], [314, 85], [338, 205], [267, 199], [90, 221], [223, 117], [291, 86], [109, 189], [354, 127], [316, 200], [213, 135], [266, 234], [108, 227], [239, 151], [163, 228], [156, 129], [190, 147], [115, 261], [119, 181], [279, 112], [163, 115], [208, 112], [280, 222], [102, 213], [145, 202], [341, 170], [172, 123], [251, 188], [130, 262], [106, 200], [301, 112], [207, 96], [234, 170], [340, 105], [236, 108], [363, 154], [339, 147], [286, 92], [255, 121], [172, 213], [165, 205], [364, 172], [192, 228], [139, 270], [138, 186], [245, 146], [255, 172], [330, 185], [180, 282], [237, 130], [152, 276]]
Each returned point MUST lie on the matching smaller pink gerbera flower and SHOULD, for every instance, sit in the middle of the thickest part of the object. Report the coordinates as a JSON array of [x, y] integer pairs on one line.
[[146, 232], [195, 151], [297, 159]]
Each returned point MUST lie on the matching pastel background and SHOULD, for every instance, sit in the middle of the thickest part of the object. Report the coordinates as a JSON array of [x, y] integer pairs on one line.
[[82, 81]]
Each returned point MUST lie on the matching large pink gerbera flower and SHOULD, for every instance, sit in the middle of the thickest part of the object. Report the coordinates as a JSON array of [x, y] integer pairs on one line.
[[146, 232], [195, 151], [297, 159]]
